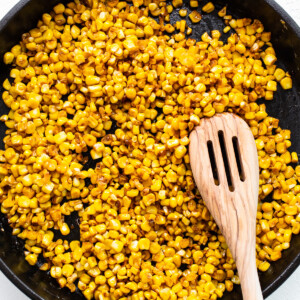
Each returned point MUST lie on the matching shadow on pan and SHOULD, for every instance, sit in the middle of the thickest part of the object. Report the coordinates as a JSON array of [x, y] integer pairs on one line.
[[286, 106]]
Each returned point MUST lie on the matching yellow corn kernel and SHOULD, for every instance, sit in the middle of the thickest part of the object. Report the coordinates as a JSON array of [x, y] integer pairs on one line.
[[117, 246], [183, 12], [193, 3], [133, 17], [8, 58], [55, 272], [144, 244], [189, 31], [195, 16], [294, 157], [208, 8], [286, 83], [226, 29], [269, 59], [238, 79], [64, 229], [264, 266], [59, 9], [180, 151], [130, 93], [67, 270], [279, 74], [90, 140], [291, 210], [272, 85], [209, 268], [177, 3], [31, 259]]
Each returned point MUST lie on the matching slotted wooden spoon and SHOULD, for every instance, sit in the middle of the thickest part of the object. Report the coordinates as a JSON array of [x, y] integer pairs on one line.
[[224, 162]]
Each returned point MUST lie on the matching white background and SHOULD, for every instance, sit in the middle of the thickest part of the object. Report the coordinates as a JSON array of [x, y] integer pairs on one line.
[[290, 290]]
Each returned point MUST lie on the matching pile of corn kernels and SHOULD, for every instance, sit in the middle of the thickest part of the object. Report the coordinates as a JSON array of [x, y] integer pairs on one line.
[[145, 232]]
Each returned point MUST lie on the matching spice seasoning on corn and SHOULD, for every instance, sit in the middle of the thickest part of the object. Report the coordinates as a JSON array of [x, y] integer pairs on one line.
[[104, 79]]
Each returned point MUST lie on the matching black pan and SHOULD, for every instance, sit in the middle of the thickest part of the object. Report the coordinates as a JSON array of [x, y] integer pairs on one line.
[[286, 106]]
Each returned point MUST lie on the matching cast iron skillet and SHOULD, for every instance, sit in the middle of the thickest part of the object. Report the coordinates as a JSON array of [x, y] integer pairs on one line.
[[286, 106]]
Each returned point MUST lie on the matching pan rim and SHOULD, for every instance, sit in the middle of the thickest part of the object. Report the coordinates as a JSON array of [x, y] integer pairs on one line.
[[290, 22], [9, 274]]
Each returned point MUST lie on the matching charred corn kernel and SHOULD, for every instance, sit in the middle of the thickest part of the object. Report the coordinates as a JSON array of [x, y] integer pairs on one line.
[[195, 16], [208, 8], [90, 140], [22, 60], [169, 28], [222, 12], [286, 83], [228, 285]]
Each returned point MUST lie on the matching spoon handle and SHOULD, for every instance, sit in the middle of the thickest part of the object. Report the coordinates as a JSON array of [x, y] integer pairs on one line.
[[249, 279]]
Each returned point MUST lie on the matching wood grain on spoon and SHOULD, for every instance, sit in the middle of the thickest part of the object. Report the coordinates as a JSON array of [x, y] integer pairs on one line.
[[232, 198]]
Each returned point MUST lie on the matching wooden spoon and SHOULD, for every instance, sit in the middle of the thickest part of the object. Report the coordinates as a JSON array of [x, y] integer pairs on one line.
[[224, 162]]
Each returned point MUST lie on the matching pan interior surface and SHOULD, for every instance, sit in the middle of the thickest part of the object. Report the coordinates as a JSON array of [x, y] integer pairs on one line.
[[285, 106]]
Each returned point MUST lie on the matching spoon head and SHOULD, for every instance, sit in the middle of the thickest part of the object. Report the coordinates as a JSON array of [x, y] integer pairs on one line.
[[224, 162]]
